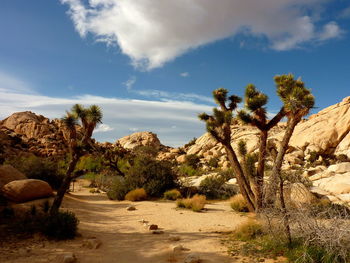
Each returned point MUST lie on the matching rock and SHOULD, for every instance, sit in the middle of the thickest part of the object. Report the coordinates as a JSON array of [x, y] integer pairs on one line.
[[157, 232], [299, 194], [140, 139], [67, 258], [174, 238], [143, 221], [177, 248], [192, 258], [9, 174], [131, 208], [152, 227], [26, 190], [92, 243], [181, 158], [326, 130], [340, 168], [336, 184]]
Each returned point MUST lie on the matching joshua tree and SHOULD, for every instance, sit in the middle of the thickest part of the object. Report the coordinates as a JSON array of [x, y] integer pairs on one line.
[[255, 115], [297, 101], [78, 144], [218, 125]]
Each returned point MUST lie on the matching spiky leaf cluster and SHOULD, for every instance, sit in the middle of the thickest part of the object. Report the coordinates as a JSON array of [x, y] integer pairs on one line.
[[254, 99], [294, 95]]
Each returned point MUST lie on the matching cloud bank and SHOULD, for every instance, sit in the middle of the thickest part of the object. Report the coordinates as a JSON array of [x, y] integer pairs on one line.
[[121, 116], [153, 32]]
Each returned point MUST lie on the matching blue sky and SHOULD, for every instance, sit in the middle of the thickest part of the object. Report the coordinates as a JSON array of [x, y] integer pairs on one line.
[[152, 64]]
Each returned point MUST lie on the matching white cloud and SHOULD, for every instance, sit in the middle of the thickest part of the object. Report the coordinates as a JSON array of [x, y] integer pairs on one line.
[[120, 115], [129, 84], [103, 128], [330, 30], [13, 83], [153, 32], [164, 95], [184, 74]]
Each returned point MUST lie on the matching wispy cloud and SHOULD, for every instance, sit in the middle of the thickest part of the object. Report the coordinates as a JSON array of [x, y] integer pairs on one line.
[[172, 28], [121, 116], [184, 74], [9, 82], [345, 13], [129, 84]]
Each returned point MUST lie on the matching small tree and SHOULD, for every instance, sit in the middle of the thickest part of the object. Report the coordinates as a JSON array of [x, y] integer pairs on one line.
[[79, 143], [219, 126], [255, 115], [297, 101]]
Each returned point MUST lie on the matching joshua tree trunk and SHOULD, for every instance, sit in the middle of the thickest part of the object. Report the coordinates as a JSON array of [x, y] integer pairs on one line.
[[276, 170], [65, 185], [260, 170], [241, 179], [285, 214]]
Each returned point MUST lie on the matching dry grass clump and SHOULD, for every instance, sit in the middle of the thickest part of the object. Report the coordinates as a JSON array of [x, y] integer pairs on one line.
[[196, 203], [138, 194], [249, 230], [172, 194], [239, 204]]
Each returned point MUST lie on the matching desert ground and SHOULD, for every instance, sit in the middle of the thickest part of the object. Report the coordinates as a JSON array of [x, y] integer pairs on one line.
[[125, 239]]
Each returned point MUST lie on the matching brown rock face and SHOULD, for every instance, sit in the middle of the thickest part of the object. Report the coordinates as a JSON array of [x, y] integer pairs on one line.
[[37, 133], [26, 190], [140, 139], [9, 174]]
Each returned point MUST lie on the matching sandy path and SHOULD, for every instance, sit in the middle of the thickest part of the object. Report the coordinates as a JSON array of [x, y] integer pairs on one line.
[[125, 239]]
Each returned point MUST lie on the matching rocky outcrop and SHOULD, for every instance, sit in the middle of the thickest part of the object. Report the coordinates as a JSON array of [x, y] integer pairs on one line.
[[140, 139], [326, 132], [25, 190], [29, 132]]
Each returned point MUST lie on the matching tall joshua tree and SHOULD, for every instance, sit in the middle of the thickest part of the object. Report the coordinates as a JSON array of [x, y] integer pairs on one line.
[[255, 115], [297, 101], [218, 125], [78, 145]]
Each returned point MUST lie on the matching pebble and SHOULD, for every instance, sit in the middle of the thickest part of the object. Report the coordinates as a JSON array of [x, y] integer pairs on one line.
[[131, 208]]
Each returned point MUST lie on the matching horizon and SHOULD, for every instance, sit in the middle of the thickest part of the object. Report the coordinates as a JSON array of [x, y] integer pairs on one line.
[[155, 71]]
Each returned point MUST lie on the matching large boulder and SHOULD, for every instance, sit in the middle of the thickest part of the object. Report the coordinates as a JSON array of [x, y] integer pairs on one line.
[[325, 132], [25, 190], [140, 139], [8, 174]]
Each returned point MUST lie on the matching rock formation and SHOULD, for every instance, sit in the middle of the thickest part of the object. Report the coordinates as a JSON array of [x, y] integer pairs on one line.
[[140, 139]]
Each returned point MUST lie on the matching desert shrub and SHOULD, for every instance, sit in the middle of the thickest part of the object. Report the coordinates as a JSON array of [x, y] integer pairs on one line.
[[172, 194], [214, 162], [342, 158], [239, 204], [326, 209], [191, 142], [227, 174], [39, 168], [248, 230], [192, 160], [213, 187], [196, 203], [313, 157], [154, 176], [138, 194], [185, 170], [148, 151], [118, 189], [62, 225]]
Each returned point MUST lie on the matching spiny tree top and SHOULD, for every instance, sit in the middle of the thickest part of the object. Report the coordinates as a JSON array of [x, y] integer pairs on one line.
[[296, 98]]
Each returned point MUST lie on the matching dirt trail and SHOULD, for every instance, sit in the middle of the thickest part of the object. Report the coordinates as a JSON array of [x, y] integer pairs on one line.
[[125, 239]]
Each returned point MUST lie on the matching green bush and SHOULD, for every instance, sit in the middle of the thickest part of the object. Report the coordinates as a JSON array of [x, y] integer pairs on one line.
[[61, 226], [138, 194], [118, 189], [213, 187], [214, 162], [39, 168], [192, 160], [191, 142], [90, 163], [185, 170], [172, 194], [154, 176]]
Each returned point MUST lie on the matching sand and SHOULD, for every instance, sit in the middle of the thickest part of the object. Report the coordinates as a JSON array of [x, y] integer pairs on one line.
[[124, 239]]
